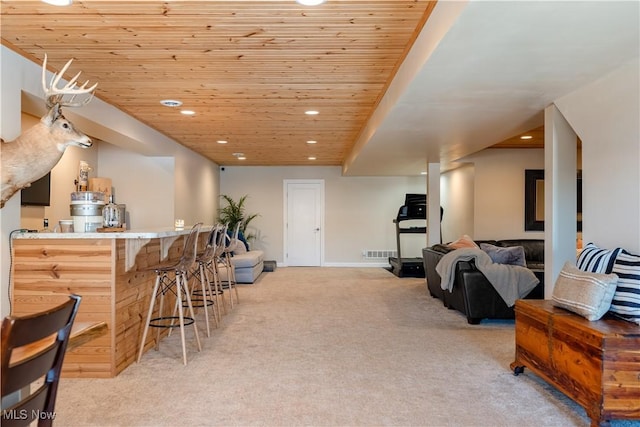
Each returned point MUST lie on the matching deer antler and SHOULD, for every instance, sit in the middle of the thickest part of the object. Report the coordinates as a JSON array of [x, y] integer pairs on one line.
[[54, 96]]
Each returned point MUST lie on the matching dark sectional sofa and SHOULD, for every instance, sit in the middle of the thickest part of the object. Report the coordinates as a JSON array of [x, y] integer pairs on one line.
[[472, 294]]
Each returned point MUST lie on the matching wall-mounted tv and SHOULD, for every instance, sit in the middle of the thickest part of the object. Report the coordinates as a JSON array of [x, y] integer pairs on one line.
[[38, 194]]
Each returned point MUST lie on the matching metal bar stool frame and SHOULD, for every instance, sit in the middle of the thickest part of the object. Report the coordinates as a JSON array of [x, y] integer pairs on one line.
[[178, 286], [225, 259], [203, 297], [211, 266]]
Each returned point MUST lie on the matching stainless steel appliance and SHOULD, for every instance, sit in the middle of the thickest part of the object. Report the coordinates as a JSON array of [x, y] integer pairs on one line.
[[86, 210]]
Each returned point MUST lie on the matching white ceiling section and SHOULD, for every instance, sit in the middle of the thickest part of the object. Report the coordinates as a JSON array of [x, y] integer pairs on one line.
[[490, 76]]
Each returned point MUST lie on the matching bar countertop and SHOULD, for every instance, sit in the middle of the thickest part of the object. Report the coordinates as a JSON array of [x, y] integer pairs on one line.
[[150, 233], [134, 240]]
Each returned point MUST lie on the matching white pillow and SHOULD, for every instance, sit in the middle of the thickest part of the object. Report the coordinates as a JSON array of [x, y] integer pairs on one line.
[[239, 247], [584, 293]]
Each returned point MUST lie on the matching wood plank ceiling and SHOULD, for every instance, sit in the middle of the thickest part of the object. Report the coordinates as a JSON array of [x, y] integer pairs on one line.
[[248, 69]]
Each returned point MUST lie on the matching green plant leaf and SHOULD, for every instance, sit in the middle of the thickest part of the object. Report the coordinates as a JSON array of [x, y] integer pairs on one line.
[[234, 213]]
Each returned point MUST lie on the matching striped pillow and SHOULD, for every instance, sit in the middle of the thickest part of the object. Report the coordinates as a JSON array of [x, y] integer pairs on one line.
[[626, 300], [596, 260]]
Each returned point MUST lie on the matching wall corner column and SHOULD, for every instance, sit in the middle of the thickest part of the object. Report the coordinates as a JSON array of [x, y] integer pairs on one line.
[[10, 128], [560, 195], [433, 204]]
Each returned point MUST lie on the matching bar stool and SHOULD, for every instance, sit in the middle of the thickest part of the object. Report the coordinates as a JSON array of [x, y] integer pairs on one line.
[[178, 286], [205, 296], [213, 266], [228, 265]]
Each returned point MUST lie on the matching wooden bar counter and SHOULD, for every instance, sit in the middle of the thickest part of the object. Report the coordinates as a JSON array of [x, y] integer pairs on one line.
[[109, 271]]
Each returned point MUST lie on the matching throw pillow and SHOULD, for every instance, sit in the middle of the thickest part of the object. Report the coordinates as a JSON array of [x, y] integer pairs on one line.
[[463, 242], [584, 293], [239, 248], [626, 300], [596, 260], [512, 255]]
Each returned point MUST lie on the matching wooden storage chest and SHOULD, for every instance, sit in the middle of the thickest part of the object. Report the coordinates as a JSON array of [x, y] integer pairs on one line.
[[597, 364]]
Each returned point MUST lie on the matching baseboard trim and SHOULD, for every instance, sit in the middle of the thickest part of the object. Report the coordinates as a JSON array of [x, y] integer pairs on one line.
[[357, 264], [349, 264]]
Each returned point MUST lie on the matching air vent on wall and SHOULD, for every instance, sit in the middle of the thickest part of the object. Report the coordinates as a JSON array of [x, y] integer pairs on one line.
[[379, 254]]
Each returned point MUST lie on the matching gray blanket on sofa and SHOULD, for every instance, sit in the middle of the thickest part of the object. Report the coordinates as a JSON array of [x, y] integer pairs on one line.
[[512, 282]]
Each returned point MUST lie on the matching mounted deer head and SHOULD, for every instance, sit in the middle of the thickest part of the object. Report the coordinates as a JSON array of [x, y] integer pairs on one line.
[[37, 150]]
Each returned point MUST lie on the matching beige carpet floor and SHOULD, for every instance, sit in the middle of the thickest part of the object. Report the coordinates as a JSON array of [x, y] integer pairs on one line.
[[328, 347]]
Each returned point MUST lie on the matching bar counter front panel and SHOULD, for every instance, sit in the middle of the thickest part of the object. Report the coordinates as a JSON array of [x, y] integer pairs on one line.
[[109, 271]]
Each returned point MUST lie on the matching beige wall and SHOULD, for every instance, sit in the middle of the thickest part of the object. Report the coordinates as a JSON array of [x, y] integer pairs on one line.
[[197, 184], [359, 211], [499, 192], [143, 183], [457, 200], [606, 116], [485, 197]]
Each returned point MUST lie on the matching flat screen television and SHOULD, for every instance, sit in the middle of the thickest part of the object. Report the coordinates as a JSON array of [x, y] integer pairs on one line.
[[38, 194]]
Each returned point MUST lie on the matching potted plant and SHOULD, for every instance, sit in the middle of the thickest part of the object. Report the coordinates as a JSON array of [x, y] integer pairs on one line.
[[234, 213]]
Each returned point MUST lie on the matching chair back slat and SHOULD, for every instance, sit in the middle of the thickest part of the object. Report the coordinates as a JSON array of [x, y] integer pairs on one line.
[[26, 373], [31, 328], [18, 332]]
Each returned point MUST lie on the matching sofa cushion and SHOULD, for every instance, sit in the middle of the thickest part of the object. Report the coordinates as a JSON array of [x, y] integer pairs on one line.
[[584, 293], [512, 255], [596, 260], [626, 300], [249, 275], [535, 266], [248, 259]]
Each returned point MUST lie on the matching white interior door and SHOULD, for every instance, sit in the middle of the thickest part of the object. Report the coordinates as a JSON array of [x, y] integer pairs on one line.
[[304, 222]]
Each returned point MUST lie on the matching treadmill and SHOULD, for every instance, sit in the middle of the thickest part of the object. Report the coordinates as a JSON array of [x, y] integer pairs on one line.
[[414, 208]]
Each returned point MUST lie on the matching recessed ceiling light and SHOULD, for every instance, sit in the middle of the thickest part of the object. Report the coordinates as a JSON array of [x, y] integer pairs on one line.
[[423, 173], [242, 158], [188, 112], [171, 103], [310, 2], [311, 112], [526, 137], [311, 158], [312, 142], [221, 141], [58, 2]]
